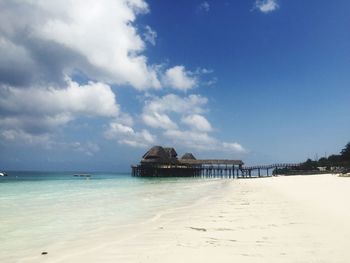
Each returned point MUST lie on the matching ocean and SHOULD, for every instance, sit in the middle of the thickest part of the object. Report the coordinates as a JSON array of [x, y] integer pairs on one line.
[[55, 211]]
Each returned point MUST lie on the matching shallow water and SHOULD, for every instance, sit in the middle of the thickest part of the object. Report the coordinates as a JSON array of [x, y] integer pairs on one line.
[[41, 210]]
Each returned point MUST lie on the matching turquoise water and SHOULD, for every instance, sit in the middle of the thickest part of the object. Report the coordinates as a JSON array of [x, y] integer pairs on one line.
[[40, 210]]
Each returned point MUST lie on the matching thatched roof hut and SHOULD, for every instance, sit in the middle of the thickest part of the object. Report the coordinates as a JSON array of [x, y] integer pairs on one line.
[[158, 154], [188, 156]]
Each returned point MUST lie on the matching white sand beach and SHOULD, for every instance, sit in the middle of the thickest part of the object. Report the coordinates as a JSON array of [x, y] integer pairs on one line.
[[279, 219]]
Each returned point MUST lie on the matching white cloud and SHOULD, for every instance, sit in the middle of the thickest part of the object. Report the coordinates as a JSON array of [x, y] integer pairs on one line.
[[14, 58], [94, 98], [39, 110], [20, 136], [127, 135], [178, 78], [190, 139], [204, 6], [236, 147], [201, 141], [266, 6], [197, 122], [54, 39], [103, 33], [188, 110], [150, 35], [97, 37], [155, 111], [158, 120], [125, 118], [174, 103]]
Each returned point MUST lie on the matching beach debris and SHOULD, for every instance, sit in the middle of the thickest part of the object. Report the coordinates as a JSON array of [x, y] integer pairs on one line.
[[44, 253], [199, 229]]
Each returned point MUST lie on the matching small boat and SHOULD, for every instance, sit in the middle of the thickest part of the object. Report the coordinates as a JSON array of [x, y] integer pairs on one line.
[[3, 174], [82, 175]]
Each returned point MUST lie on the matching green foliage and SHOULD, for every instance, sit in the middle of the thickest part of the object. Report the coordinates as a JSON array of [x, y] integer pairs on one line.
[[323, 162], [309, 165], [345, 153], [334, 160]]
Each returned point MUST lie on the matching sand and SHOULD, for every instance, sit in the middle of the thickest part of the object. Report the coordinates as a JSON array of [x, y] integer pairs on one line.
[[279, 219]]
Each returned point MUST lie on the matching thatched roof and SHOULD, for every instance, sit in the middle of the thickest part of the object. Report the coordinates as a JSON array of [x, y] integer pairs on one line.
[[188, 156], [171, 152], [211, 162], [156, 154]]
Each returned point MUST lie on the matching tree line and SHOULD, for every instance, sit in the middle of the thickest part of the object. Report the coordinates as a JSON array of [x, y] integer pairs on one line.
[[335, 162], [341, 160]]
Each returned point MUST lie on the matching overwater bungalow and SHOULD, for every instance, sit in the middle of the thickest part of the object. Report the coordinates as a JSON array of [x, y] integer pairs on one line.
[[159, 161]]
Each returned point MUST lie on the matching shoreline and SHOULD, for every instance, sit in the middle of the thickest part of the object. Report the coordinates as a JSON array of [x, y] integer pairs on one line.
[[279, 219]]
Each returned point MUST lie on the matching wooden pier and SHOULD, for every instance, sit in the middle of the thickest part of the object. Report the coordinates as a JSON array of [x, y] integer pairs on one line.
[[266, 170], [210, 170]]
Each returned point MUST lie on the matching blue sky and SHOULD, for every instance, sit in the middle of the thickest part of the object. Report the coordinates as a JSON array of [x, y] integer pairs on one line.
[[91, 85]]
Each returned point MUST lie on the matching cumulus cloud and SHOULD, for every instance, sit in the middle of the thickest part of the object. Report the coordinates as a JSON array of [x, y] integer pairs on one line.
[[127, 135], [155, 112], [158, 120], [187, 110], [39, 110], [233, 147], [15, 62], [94, 98], [197, 122], [53, 41], [178, 78], [201, 141], [96, 38], [57, 37], [191, 139], [266, 6]]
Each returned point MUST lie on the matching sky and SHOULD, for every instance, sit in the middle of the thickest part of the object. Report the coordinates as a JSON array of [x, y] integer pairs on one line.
[[90, 85]]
